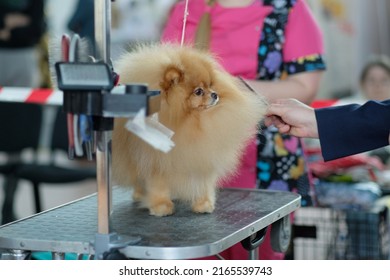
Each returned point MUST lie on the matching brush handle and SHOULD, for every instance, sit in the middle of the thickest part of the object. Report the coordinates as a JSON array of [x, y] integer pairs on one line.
[[65, 45], [65, 42], [73, 48]]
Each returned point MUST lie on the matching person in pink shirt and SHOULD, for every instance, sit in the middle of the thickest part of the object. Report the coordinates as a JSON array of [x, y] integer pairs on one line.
[[277, 47]]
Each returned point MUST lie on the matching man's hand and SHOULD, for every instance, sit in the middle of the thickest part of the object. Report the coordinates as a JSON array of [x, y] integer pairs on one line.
[[292, 117]]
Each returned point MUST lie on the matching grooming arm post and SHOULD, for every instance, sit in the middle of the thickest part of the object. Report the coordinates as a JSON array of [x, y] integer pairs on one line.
[[102, 29], [103, 138]]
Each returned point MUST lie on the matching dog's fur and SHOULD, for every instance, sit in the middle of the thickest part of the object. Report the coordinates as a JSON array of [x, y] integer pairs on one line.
[[212, 115]]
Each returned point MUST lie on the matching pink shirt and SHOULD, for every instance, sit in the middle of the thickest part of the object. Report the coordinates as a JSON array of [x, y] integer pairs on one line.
[[235, 34]]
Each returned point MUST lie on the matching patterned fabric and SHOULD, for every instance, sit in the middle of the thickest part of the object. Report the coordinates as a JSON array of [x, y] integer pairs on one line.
[[281, 164], [270, 54]]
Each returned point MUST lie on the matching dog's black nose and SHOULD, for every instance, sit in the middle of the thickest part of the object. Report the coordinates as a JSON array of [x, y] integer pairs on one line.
[[214, 95]]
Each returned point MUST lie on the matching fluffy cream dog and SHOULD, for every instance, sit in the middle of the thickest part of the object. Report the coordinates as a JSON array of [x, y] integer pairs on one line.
[[212, 115]]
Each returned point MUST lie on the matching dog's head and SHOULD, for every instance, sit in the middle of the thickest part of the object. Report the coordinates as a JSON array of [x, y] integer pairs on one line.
[[191, 82], [188, 84]]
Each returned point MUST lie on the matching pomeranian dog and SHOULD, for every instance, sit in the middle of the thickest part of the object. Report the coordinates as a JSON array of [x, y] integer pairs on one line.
[[211, 114]]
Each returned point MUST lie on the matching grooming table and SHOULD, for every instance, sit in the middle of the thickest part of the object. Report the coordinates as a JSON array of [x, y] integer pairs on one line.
[[71, 228]]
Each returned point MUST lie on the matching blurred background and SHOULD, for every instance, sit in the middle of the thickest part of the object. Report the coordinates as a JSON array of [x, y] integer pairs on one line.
[[353, 31]]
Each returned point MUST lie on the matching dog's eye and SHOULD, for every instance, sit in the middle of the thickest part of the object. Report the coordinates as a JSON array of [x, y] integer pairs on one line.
[[198, 91]]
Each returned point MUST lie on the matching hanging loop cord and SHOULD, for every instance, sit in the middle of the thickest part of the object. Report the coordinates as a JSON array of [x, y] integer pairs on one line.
[[184, 23]]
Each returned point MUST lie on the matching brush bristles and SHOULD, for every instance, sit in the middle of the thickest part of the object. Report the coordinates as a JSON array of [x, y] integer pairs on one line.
[[84, 54]]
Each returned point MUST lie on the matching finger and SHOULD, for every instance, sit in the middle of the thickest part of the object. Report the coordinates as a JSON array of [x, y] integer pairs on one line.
[[272, 120], [276, 121], [275, 109], [284, 128]]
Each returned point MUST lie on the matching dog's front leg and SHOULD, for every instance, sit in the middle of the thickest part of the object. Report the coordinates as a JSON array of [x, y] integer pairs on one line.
[[159, 197], [205, 201]]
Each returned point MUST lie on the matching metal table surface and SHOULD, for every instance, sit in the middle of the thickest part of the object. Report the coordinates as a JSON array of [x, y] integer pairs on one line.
[[71, 228]]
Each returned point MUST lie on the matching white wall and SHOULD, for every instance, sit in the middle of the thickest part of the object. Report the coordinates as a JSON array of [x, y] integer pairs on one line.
[[58, 13], [353, 30]]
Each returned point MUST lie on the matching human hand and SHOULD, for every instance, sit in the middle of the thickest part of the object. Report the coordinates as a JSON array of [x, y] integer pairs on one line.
[[292, 117]]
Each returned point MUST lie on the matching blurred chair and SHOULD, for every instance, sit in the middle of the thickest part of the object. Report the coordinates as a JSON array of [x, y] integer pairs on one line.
[[54, 172], [20, 125]]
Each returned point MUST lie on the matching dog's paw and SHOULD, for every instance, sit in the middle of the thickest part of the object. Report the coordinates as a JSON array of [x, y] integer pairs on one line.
[[162, 209], [203, 206]]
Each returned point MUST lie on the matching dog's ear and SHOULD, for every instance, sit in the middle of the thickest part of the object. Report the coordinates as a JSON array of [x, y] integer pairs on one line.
[[172, 76]]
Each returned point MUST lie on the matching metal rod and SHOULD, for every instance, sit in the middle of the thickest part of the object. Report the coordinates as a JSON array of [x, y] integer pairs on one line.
[[103, 171], [254, 254], [102, 12], [102, 29], [58, 256]]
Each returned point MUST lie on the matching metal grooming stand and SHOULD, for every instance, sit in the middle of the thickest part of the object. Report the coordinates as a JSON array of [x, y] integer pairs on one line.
[[121, 230], [103, 139]]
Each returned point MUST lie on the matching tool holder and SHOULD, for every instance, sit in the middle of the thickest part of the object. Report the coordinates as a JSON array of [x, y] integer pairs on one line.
[[94, 102], [91, 108]]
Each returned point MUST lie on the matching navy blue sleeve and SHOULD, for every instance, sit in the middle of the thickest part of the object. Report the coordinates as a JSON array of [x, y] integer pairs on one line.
[[352, 129]]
